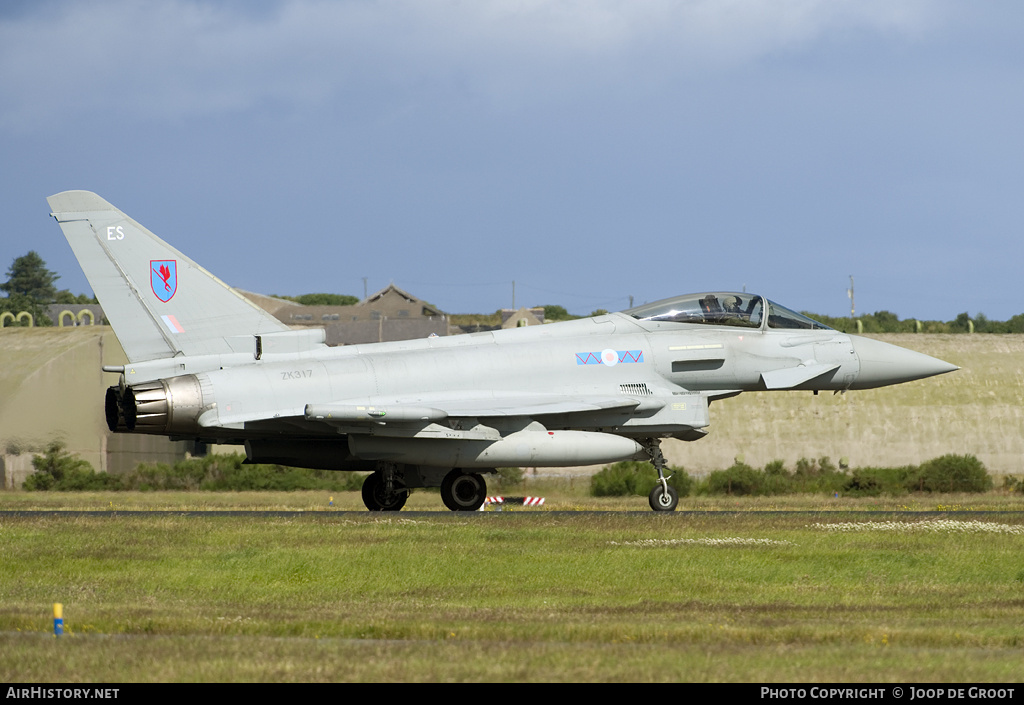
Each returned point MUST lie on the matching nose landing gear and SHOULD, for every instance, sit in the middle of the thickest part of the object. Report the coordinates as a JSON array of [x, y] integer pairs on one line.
[[663, 497]]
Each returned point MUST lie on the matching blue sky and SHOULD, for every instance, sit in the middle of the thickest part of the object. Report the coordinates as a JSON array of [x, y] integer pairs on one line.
[[589, 151]]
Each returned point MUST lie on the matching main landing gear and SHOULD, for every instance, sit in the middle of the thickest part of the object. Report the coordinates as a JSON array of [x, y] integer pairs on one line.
[[463, 491], [382, 494], [663, 497], [387, 489]]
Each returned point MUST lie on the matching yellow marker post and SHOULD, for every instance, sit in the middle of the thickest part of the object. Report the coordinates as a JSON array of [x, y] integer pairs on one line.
[[58, 619]]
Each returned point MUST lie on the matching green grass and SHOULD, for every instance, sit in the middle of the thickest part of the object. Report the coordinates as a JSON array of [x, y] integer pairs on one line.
[[520, 595], [559, 494]]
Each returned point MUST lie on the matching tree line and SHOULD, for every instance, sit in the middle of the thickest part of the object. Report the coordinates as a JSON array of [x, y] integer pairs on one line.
[[31, 287], [888, 322]]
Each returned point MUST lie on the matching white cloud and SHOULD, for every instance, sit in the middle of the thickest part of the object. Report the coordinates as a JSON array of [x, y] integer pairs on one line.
[[177, 59]]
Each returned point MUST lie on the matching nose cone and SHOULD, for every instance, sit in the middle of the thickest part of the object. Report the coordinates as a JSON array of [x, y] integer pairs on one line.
[[882, 364]]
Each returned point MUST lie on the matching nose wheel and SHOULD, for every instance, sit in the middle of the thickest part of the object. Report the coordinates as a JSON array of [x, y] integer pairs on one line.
[[663, 497], [662, 501]]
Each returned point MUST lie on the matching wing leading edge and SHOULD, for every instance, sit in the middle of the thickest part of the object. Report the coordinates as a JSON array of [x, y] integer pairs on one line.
[[683, 416]]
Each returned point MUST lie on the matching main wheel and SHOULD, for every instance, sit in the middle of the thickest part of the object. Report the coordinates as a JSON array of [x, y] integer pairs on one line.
[[662, 502], [376, 500], [463, 492]]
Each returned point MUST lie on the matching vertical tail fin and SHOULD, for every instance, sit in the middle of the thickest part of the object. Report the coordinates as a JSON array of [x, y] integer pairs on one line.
[[160, 302]]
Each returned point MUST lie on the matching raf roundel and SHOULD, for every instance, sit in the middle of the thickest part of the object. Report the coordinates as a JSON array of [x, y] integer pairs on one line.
[[609, 357]]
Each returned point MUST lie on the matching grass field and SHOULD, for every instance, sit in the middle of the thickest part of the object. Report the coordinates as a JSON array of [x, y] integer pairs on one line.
[[847, 592]]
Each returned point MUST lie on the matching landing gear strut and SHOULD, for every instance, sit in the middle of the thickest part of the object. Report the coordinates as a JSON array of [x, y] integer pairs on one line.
[[381, 492], [663, 497], [463, 491]]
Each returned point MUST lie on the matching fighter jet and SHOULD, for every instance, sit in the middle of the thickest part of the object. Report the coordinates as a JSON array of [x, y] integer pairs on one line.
[[207, 365]]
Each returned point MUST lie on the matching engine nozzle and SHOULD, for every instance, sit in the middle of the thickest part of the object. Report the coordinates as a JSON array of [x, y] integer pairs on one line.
[[163, 406]]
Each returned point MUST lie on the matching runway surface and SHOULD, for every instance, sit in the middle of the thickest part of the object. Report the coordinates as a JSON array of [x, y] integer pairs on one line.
[[292, 514]]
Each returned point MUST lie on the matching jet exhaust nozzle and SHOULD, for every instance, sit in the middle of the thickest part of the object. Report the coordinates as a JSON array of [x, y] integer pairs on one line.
[[161, 407], [113, 410]]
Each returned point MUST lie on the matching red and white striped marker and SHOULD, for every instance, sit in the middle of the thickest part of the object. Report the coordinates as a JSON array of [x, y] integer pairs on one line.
[[525, 501]]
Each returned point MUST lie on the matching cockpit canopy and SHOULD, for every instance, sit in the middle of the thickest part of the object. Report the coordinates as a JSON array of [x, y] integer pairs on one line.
[[724, 308]]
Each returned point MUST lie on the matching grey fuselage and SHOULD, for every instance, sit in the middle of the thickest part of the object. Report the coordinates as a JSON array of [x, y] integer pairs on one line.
[[659, 361]]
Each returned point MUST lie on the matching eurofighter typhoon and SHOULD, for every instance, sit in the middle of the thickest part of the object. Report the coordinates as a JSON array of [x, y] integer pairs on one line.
[[207, 365]]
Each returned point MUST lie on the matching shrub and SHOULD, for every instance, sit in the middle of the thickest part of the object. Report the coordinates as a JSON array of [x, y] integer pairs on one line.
[[1012, 484], [230, 472], [58, 470], [632, 477], [510, 477], [874, 482], [952, 473], [819, 475], [183, 475], [740, 479]]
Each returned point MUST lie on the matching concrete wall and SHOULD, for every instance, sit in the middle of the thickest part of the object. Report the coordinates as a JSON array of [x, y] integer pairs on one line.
[[52, 387], [14, 469]]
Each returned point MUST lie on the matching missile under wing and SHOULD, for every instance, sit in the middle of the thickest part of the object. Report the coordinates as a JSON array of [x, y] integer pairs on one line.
[[207, 365]]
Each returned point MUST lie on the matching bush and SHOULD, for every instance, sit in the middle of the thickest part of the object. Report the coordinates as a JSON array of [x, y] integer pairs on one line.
[[230, 472], [58, 470], [1012, 484], [819, 475], [632, 477], [510, 477], [952, 473], [740, 479], [620, 479], [874, 482], [810, 476]]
